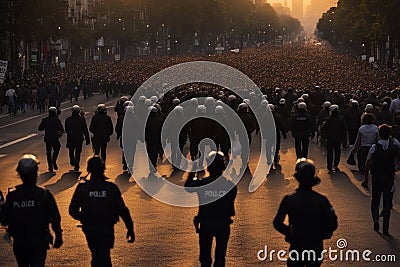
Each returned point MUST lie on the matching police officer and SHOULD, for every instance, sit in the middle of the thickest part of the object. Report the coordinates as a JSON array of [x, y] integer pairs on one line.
[[279, 129], [77, 131], [119, 107], [102, 128], [352, 117], [381, 162], [334, 129], [153, 137], [119, 127], [53, 130], [177, 128], [214, 218], [98, 204], [303, 127], [311, 217], [27, 213]]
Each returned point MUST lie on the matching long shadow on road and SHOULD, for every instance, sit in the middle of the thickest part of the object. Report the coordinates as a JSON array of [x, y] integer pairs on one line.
[[44, 177], [123, 183], [67, 180]]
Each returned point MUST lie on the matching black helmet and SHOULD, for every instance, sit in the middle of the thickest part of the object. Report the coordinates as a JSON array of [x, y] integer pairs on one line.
[[96, 165], [216, 162], [28, 169], [306, 173], [28, 164]]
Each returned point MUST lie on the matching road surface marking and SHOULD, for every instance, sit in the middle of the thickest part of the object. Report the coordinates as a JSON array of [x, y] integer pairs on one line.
[[3, 156], [18, 140]]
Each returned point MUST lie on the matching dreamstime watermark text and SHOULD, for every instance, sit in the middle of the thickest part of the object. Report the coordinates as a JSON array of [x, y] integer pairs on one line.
[[340, 253]]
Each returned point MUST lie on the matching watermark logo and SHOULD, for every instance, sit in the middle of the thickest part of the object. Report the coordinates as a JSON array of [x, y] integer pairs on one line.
[[340, 253], [207, 73]]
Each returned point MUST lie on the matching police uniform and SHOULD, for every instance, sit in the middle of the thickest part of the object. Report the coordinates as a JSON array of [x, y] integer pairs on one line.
[[153, 137], [102, 128], [27, 212], [302, 126], [52, 128], [214, 218], [98, 204], [77, 131], [311, 218]]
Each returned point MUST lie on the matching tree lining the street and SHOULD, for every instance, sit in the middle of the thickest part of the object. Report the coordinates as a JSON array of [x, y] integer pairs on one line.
[[364, 26]]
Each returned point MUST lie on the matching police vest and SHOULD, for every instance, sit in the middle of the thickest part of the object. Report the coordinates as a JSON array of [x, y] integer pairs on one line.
[[383, 162]]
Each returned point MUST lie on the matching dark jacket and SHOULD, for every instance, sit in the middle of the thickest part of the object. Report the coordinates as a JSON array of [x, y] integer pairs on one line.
[[99, 203], [221, 209], [52, 128], [302, 124], [385, 117], [383, 163], [76, 129], [311, 218], [28, 212], [102, 128], [334, 129], [352, 118]]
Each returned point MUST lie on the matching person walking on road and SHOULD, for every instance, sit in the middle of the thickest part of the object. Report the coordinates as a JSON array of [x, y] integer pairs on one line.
[[366, 137], [311, 218], [77, 131], [334, 129], [98, 204], [381, 162], [27, 213], [215, 212], [53, 130], [302, 126], [102, 128]]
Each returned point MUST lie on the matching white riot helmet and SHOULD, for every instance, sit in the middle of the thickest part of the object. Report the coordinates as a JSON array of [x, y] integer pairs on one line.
[[201, 109], [219, 110], [326, 104], [154, 99], [76, 108]]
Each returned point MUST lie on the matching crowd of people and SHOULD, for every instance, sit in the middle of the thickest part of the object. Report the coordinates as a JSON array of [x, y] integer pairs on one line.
[[300, 66], [311, 92]]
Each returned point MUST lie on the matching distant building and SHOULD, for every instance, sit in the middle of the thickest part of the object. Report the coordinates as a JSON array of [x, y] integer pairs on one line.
[[78, 10], [280, 9], [314, 12], [297, 9]]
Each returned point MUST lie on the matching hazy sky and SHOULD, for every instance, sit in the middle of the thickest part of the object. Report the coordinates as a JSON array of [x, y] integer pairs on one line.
[[306, 2]]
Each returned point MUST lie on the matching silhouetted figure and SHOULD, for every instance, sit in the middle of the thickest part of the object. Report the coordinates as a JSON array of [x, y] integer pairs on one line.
[[98, 204], [53, 130], [153, 137], [215, 211], [311, 217], [381, 162], [27, 213], [334, 129], [302, 127], [77, 131], [102, 128]]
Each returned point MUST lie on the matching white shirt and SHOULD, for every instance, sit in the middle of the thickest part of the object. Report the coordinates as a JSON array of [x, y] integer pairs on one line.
[[395, 106], [368, 134]]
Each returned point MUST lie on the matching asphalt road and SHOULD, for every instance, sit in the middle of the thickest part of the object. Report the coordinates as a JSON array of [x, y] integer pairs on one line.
[[165, 235]]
